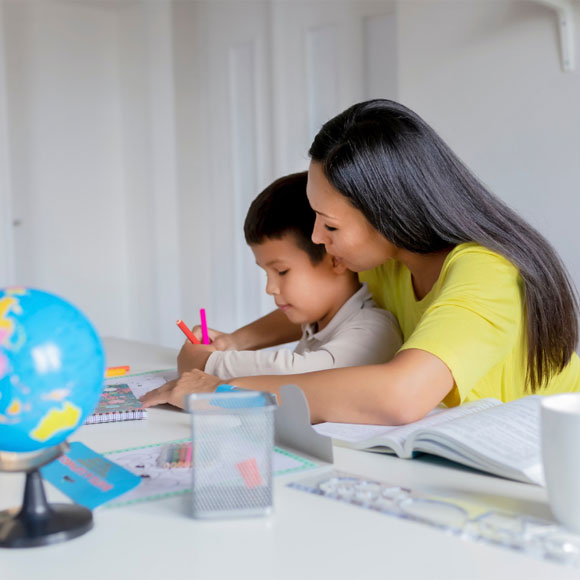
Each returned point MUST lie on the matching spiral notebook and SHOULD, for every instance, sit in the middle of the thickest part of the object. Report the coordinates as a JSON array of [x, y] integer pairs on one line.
[[117, 403]]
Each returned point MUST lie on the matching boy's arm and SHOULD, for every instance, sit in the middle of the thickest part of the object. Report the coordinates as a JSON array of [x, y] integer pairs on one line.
[[234, 363], [272, 329], [370, 337]]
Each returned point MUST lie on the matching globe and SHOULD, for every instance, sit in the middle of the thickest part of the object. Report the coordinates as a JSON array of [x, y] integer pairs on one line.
[[51, 369]]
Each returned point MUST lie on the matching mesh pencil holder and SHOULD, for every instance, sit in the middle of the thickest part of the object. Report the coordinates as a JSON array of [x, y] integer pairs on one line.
[[233, 444]]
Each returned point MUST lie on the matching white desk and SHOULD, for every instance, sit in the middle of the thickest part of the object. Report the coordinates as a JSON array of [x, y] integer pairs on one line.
[[307, 537]]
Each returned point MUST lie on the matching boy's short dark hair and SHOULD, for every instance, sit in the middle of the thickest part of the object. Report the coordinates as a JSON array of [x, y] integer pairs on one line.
[[283, 208]]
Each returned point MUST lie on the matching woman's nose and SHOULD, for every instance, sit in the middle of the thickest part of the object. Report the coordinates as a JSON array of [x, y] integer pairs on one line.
[[317, 233]]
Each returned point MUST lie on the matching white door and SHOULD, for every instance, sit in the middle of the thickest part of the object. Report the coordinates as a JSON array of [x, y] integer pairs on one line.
[[88, 95], [327, 56], [273, 73], [65, 147], [235, 79], [6, 221]]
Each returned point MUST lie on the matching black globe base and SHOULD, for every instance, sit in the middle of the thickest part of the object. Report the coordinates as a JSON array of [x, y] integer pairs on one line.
[[39, 523]]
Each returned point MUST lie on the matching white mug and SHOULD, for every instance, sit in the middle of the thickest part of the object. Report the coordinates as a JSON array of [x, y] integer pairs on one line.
[[561, 456]]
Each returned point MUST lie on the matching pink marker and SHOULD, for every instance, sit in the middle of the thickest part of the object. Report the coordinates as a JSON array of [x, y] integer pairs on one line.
[[204, 334]]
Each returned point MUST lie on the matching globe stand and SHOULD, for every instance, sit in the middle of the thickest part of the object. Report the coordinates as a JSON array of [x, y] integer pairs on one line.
[[38, 523]]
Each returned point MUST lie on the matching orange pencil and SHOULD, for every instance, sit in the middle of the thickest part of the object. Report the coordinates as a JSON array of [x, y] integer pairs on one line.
[[193, 339]]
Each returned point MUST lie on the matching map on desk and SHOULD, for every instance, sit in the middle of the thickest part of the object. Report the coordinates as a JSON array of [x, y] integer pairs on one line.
[[158, 482]]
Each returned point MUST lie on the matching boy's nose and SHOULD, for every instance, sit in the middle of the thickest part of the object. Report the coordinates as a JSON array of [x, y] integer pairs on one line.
[[271, 288]]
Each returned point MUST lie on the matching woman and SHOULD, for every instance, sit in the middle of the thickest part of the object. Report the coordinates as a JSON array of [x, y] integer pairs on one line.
[[484, 303]]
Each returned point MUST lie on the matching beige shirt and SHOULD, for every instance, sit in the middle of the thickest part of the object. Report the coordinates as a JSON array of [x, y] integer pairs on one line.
[[360, 333]]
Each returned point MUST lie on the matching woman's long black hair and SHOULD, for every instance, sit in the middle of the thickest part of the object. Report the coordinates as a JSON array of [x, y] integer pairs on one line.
[[416, 192]]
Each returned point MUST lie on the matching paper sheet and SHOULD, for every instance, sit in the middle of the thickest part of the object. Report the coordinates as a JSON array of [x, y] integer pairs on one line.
[[143, 383]]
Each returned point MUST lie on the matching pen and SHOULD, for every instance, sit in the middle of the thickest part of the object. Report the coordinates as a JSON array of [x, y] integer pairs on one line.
[[204, 334], [193, 339]]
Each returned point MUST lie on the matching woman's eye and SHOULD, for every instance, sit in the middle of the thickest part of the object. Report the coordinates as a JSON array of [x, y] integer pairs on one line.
[[330, 228], [283, 273]]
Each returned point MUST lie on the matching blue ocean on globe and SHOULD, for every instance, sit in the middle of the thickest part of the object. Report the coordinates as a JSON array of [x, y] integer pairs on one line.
[[52, 366]]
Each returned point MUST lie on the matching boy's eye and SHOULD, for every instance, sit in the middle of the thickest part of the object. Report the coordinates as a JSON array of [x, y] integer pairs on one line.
[[330, 228], [283, 273]]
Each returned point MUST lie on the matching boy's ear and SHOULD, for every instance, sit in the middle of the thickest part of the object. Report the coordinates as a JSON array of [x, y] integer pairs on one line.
[[338, 266]]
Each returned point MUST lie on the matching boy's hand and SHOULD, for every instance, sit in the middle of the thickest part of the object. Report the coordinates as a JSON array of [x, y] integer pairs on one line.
[[174, 392], [219, 340], [193, 356]]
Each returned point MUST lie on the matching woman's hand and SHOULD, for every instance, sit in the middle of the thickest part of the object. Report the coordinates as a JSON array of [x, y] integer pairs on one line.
[[174, 392], [270, 330], [219, 340], [193, 356]]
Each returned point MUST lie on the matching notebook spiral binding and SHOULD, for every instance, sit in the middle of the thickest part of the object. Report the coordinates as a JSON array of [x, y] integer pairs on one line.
[[116, 416]]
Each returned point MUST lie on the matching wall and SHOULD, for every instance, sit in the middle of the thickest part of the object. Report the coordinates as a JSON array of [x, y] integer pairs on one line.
[[488, 76], [139, 131]]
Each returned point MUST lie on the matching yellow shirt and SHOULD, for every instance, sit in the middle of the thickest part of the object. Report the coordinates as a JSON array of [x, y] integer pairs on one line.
[[472, 319]]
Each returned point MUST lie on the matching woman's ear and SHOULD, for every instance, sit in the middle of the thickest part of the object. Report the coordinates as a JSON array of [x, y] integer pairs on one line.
[[338, 266]]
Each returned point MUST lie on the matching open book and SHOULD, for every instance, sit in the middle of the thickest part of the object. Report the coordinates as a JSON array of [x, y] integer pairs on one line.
[[500, 438]]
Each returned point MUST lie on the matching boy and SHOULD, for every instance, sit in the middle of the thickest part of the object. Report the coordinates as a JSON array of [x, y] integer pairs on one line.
[[341, 324]]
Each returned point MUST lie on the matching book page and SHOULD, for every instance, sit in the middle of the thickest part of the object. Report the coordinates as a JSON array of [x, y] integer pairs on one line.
[[366, 436], [506, 435], [353, 433]]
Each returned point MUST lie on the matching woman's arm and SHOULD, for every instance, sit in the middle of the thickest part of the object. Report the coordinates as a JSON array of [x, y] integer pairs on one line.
[[394, 393], [193, 356], [270, 330]]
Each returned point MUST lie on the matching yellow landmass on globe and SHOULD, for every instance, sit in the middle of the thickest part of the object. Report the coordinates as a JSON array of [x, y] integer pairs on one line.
[[6, 304], [14, 408], [56, 420]]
